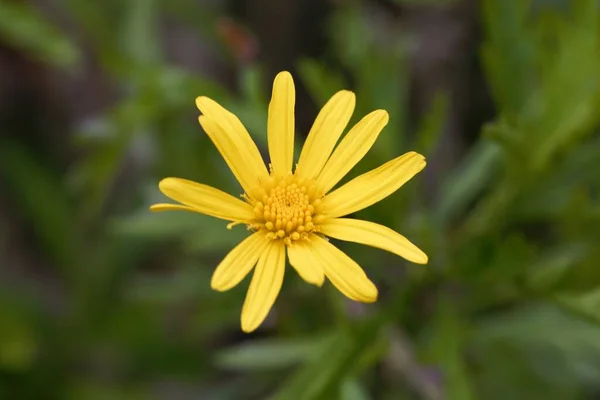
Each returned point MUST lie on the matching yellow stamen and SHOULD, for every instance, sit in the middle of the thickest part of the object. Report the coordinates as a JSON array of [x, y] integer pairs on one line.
[[288, 209]]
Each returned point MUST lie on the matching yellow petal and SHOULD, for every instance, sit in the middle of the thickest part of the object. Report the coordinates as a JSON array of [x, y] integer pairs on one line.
[[265, 285], [371, 187], [234, 154], [171, 207], [352, 149], [239, 262], [232, 137], [372, 234], [343, 272], [206, 199], [304, 263], [280, 124], [324, 134]]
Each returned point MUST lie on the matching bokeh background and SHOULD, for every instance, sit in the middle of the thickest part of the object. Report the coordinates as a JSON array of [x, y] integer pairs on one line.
[[101, 299]]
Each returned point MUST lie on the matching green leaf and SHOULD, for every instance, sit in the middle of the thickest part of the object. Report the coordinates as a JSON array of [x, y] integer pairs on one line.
[[214, 237], [554, 264], [251, 82], [321, 377], [320, 82], [380, 68], [139, 31], [41, 201], [503, 372], [353, 390], [560, 346], [18, 336], [426, 2], [269, 353], [24, 27], [509, 53], [197, 232], [565, 107], [586, 304], [468, 181], [187, 283], [448, 337], [550, 196], [92, 390], [431, 127], [157, 225]]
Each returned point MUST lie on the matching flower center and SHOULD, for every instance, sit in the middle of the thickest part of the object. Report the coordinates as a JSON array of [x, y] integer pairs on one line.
[[288, 209]]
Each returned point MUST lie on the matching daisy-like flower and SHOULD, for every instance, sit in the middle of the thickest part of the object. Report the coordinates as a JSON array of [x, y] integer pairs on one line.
[[295, 211]]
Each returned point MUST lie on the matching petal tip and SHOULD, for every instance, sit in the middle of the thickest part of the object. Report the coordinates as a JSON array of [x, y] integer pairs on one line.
[[413, 154], [417, 256], [205, 122], [248, 325], [283, 75], [217, 286], [383, 115], [344, 98], [318, 282], [417, 159], [348, 95], [247, 330], [423, 259], [201, 102], [371, 297], [165, 183]]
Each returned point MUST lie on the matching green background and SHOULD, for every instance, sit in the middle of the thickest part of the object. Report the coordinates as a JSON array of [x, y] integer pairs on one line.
[[101, 299]]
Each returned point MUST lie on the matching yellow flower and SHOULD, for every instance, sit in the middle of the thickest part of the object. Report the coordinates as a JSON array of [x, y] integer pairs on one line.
[[296, 211]]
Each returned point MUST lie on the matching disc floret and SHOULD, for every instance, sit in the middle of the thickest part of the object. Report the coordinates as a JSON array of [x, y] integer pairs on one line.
[[287, 208]]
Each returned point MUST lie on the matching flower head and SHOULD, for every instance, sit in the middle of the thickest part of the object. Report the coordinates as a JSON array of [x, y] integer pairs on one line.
[[294, 212]]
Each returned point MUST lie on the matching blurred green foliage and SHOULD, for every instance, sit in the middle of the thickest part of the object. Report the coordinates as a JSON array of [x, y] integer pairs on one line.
[[508, 308]]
